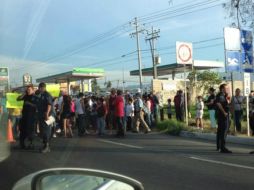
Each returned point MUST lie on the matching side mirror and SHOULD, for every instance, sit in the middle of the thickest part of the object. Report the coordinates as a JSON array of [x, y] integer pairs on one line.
[[76, 179]]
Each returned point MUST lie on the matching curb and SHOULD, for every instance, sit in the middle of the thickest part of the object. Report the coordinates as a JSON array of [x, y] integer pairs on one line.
[[212, 137]]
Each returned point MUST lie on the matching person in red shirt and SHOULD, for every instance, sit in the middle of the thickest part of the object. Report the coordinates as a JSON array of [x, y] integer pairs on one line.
[[119, 114]]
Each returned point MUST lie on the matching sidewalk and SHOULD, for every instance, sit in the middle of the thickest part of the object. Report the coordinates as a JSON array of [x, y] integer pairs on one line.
[[211, 136]]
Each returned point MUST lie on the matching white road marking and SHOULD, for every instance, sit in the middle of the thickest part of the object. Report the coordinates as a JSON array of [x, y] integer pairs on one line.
[[222, 163], [120, 144]]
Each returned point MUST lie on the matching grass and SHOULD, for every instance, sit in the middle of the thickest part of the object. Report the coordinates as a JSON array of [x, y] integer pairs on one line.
[[171, 127], [174, 127]]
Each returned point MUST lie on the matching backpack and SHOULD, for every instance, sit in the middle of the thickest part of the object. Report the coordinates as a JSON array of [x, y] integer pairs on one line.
[[137, 106]]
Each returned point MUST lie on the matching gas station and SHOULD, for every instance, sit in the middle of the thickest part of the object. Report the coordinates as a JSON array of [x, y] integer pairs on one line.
[[175, 68], [69, 78]]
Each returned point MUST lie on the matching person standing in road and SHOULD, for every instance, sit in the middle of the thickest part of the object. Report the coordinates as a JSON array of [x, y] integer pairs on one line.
[[211, 107], [79, 103], [222, 118], [28, 119], [87, 111], [139, 115], [45, 106], [236, 104], [130, 114], [111, 110], [66, 115], [119, 114], [101, 116]]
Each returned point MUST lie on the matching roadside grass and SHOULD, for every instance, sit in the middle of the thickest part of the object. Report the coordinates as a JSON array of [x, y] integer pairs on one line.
[[174, 127]]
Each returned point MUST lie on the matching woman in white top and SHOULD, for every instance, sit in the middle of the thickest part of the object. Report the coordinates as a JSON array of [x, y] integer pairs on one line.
[[199, 112], [129, 114]]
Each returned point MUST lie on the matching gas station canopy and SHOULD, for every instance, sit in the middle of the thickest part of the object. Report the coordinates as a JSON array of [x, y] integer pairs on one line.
[[76, 74], [172, 69]]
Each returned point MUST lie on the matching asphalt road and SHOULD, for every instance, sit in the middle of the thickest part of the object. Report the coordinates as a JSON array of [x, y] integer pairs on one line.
[[158, 161]]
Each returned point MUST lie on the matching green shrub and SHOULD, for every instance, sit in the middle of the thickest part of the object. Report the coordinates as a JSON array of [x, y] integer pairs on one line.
[[171, 127]]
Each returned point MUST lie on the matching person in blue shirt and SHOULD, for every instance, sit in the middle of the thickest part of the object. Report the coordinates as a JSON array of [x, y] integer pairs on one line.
[[45, 110]]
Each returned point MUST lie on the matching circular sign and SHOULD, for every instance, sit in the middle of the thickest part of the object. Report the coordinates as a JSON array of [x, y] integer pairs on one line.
[[184, 53]]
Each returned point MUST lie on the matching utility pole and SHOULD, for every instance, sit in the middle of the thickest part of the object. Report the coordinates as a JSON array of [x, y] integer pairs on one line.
[[151, 37], [136, 33]]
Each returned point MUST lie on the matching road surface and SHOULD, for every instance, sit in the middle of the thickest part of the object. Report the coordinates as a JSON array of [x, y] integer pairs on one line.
[[159, 161]]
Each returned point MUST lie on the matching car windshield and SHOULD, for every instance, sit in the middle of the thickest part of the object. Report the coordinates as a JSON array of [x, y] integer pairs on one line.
[[161, 91]]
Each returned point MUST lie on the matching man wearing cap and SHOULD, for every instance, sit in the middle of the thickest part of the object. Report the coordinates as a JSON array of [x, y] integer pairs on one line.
[[139, 115], [45, 107]]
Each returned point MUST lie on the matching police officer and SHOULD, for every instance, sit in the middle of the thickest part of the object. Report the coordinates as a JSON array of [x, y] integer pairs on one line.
[[45, 110], [28, 121], [222, 104]]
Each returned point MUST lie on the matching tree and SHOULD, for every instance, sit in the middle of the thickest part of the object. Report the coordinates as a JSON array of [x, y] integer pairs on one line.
[[241, 11], [192, 78], [207, 79], [95, 86]]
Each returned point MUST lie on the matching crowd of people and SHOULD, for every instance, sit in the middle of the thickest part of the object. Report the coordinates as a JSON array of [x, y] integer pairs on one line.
[[89, 114], [48, 117]]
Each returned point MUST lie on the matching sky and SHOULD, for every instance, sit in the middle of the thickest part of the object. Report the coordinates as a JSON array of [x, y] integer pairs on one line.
[[45, 37]]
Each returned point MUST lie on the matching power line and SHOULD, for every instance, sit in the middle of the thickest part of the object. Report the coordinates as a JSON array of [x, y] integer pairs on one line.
[[164, 13], [74, 51], [182, 14], [116, 62], [115, 32]]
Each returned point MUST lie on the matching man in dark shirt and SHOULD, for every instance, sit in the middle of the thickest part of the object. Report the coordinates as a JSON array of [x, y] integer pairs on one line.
[[28, 120], [222, 118], [111, 110], [211, 107], [45, 107]]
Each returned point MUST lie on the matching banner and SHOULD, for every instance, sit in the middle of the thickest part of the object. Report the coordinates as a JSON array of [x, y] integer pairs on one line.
[[238, 50], [12, 101], [247, 51], [232, 38], [53, 89], [233, 61]]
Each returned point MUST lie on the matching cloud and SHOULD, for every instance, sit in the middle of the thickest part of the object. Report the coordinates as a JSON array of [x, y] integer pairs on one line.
[[18, 67], [35, 25]]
